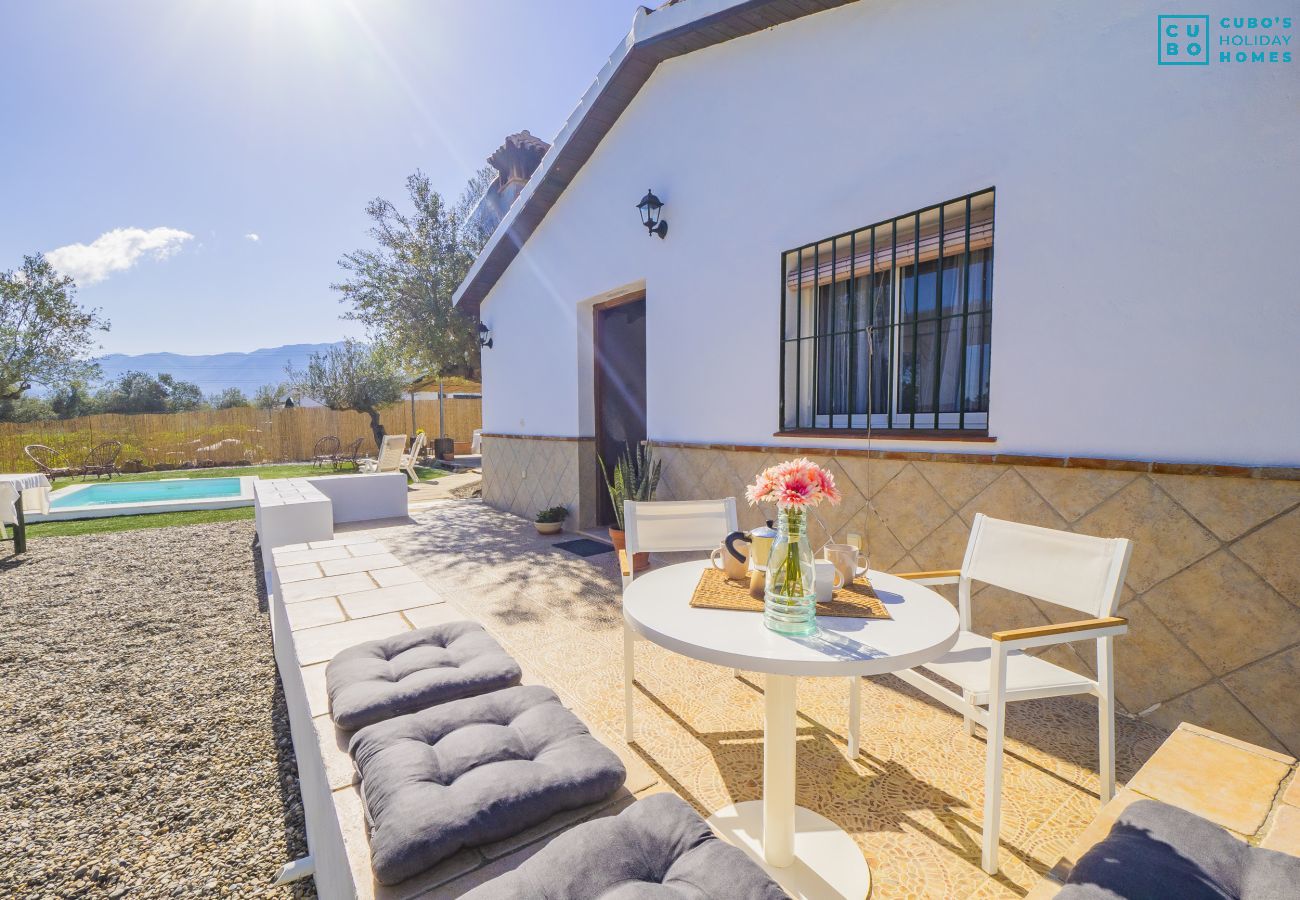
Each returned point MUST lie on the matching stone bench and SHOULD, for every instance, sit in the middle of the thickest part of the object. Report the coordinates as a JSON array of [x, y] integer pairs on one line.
[[364, 497], [305, 510], [289, 511], [1251, 792], [332, 595]]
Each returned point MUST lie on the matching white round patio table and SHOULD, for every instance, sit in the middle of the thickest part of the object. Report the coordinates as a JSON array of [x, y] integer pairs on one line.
[[808, 855]]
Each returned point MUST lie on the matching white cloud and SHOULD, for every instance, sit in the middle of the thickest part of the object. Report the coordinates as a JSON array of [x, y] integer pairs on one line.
[[253, 236], [116, 251]]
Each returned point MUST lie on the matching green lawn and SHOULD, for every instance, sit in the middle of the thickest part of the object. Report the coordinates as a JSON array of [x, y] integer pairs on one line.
[[37, 530]]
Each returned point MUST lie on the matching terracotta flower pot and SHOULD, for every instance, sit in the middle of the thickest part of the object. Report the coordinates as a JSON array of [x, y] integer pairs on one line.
[[548, 527], [640, 561]]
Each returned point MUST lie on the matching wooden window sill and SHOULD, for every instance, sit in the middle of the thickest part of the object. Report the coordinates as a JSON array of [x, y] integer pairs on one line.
[[891, 434]]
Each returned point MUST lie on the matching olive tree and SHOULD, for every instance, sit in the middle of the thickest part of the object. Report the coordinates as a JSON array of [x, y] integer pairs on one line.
[[352, 376], [46, 337], [401, 289]]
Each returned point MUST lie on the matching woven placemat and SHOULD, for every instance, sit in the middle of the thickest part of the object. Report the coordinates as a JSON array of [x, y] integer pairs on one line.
[[855, 601]]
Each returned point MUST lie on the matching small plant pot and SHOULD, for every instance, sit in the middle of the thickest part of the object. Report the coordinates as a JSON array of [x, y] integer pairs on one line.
[[548, 527], [640, 561]]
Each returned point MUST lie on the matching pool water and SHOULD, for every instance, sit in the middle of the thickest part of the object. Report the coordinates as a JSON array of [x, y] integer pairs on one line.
[[149, 492]]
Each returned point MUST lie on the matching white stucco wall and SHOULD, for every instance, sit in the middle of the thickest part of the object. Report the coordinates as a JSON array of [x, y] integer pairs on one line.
[[1146, 288]]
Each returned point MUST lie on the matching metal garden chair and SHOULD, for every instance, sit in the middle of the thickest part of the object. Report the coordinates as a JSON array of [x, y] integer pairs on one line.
[[325, 450], [101, 461], [1077, 571], [51, 462], [351, 455]]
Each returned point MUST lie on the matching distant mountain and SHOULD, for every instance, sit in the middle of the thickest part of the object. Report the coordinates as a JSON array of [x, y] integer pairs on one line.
[[246, 371]]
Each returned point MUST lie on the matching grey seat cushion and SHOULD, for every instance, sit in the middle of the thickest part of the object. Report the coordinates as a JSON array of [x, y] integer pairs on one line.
[[414, 670], [656, 849], [473, 771], [1156, 850]]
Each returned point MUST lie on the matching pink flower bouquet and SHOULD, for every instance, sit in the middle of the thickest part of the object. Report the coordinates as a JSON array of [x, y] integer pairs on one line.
[[795, 484]]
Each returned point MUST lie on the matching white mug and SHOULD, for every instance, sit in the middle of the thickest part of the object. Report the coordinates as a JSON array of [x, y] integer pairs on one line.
[[828, 580], [733, 568], [850, 563]]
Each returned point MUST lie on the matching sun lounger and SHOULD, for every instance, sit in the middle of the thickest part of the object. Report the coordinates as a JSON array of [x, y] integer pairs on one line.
[[410, 459], [390, 455]]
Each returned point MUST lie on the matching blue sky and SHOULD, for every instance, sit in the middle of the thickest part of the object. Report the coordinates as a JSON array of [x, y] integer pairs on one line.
[[173, 131]]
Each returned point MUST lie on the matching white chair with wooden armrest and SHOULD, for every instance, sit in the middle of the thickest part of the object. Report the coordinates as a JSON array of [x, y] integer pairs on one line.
[[666, 526], [1077, 571]]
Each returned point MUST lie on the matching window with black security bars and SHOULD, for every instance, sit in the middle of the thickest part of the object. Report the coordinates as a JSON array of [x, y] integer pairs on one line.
[[888, 327]]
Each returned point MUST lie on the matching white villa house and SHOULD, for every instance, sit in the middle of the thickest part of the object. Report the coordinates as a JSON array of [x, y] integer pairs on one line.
[[979, 257]]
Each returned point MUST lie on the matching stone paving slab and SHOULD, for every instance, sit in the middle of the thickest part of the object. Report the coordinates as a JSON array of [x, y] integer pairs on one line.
[[391, 577], [1284, 835], [325, 586], [1229, 782], [360, 564], [388, 599], [310, 613], [323, 643], [300, 572], [287, 557]]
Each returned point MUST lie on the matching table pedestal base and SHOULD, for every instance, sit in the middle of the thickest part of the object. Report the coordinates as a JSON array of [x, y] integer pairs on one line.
[[827, 863]]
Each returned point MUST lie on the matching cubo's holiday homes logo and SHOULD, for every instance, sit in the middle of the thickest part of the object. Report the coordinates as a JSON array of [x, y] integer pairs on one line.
[[1186, 40], [1182, 40]]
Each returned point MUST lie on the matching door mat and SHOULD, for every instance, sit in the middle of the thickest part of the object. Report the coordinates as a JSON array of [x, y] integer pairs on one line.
[[585, 547]]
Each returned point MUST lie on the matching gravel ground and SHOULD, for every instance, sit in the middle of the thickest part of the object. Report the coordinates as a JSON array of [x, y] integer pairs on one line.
[[145, 748]]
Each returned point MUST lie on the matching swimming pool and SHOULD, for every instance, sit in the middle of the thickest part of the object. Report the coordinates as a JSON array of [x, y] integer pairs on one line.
[[148, 492], [120, 498]]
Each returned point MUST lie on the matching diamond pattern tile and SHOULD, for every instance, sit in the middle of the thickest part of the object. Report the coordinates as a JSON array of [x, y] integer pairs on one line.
[[1165, 538], [1218, 608], [1271, 552], [911, 507]]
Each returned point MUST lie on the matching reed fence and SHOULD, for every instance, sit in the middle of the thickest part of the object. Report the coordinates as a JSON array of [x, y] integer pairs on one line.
[[231, 435]]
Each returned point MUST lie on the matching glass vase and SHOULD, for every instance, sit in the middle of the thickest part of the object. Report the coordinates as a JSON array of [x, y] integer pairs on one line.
[[790, 595]]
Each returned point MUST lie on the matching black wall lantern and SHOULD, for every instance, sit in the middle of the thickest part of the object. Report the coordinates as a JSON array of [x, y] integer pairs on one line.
[[484, 336], [650, 207]]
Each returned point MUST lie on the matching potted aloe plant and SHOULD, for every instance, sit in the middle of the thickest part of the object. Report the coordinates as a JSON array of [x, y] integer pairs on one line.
[[550, 520], [635, 477]]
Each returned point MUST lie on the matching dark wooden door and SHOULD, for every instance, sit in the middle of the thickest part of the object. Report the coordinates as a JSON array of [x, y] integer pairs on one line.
[[619, 386]]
